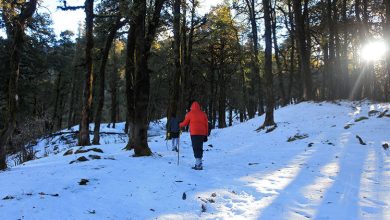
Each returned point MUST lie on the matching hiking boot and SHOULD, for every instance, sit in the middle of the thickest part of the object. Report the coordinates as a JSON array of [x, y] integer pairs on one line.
[[197, 167]]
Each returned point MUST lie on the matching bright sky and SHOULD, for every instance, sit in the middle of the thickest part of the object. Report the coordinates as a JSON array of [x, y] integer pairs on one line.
[[63, 20], [68, 20]]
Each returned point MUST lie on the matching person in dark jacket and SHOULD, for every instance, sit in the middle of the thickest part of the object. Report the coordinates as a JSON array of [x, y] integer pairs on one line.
[[173, 130], [197, 120]]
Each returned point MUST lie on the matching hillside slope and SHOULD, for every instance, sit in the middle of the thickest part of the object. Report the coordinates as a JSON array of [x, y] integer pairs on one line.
[[311, 167]]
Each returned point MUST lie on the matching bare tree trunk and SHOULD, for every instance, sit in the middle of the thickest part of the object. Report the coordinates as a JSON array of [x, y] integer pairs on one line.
[[292, 53], [93, 94], [141, 83], [303, 49], [230, 115], [143, 43], [130, 80], [114, 106], [369, 85], [213, 89], [337, 64], [87, 92], [77, 112], [222, 92], [358, 85], [255, 62], [243, 106], [387, 37], [269, 114], [242, 103], [222, 106], [60, 112], [184, 90], [71, 101], [344, 52], [214, 113], [15, 26], [174, 99], [188, 59], [211, 105], [102, 76], [331, 53], [58, 91], [282, 92], [114, 89], [72, 97], [325, 87]]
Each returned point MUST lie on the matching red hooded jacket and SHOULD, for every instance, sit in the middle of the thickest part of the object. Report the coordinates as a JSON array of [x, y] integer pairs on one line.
[[197, 120]]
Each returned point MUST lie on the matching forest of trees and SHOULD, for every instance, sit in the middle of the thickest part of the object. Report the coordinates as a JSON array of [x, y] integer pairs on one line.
[[138, 61]]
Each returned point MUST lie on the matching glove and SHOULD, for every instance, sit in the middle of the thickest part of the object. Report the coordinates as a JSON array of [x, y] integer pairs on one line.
[[168, 135]]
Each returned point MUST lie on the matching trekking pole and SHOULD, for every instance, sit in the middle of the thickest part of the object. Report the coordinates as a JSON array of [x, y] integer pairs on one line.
[[178, 150]]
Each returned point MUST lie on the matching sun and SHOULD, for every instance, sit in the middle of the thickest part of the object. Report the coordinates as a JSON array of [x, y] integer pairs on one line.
[[374, 51]]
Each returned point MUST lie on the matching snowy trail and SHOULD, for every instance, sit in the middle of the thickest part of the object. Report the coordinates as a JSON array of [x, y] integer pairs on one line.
[[248, 174]]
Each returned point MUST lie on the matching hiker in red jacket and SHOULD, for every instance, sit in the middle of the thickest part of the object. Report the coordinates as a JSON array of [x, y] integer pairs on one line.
[[197, 120]]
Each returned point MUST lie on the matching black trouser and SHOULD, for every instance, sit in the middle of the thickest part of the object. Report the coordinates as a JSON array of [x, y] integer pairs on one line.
[[175, 134], [197, 145]]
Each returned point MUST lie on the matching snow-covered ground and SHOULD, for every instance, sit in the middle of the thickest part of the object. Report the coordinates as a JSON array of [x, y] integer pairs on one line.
[[247, 174]]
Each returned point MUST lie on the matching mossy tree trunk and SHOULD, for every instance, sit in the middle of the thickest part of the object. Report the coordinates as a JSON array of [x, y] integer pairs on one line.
[[138, 121]]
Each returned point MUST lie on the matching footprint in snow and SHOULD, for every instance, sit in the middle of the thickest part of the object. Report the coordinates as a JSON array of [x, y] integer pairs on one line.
[[370, 210]]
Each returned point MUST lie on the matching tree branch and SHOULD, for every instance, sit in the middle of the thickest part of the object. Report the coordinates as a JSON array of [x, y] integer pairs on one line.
[[29, 10], [69, 8]]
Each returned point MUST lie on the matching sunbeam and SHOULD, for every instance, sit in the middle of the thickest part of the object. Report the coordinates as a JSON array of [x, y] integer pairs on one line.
[[374, 51]]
